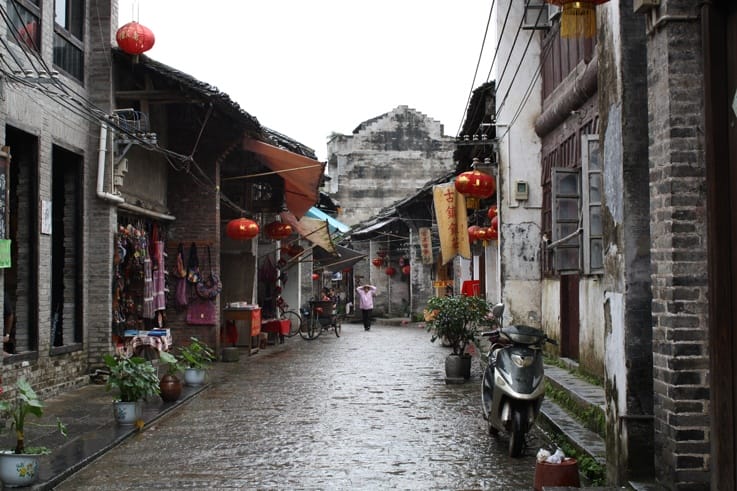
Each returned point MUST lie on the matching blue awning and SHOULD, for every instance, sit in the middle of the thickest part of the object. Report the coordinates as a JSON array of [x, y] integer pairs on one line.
[[333, 224]]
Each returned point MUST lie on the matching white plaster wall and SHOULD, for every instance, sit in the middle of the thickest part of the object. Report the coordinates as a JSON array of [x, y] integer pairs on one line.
[[592, 326], [616, 364], [551, 307]]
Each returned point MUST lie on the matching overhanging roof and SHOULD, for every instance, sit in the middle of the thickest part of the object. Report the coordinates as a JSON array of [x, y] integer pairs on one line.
[[344, 258], [301, 174]]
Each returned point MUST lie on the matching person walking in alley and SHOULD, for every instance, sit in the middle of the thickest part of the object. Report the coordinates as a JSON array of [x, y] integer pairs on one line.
[[366, 295]]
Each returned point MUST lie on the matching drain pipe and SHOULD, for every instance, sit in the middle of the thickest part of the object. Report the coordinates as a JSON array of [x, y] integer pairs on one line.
[[112, 198]]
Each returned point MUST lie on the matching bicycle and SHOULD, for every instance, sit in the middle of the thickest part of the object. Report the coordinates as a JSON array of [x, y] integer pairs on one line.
[[321, 316], [295, 320]]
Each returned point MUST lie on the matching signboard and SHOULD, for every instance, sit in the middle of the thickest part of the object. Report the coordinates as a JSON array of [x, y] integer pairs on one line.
[[426, 245], [450, 213]]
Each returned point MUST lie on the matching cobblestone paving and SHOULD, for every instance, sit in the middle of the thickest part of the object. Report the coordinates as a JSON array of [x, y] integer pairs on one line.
[[368, 410]]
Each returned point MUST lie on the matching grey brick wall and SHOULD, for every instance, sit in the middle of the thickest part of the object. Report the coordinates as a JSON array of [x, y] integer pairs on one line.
[[679, 253]]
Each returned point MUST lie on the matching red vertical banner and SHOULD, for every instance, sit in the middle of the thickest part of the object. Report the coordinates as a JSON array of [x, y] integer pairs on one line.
[[450, 213]]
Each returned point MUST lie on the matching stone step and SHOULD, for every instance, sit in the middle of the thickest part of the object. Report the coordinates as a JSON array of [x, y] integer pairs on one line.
[[582, 397]]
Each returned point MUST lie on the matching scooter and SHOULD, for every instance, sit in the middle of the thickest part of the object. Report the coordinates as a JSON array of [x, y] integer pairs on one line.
[[512, 386]]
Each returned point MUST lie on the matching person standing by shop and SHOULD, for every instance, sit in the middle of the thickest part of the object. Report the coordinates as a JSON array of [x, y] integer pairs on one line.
[[366, 295]]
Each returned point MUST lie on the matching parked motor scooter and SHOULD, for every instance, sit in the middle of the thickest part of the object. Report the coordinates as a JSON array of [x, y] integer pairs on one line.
[[512, 386]]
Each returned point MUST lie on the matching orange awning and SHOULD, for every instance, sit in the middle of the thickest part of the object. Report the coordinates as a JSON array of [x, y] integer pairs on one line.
[[301, 174]]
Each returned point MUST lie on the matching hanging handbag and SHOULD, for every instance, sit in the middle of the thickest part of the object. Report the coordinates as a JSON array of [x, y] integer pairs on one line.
[[201, 312], [209, 287], [193, 265]]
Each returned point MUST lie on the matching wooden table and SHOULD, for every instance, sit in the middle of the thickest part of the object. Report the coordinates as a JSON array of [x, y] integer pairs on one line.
[[248, 322]]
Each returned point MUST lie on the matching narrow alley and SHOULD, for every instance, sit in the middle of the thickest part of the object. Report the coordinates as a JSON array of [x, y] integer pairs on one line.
[[368, 410]]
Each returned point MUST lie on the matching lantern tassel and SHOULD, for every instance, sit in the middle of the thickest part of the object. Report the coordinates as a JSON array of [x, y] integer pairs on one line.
[[578, 19]]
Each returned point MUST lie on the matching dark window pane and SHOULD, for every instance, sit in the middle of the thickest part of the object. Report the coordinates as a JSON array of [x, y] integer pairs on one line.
[[595, 220], [597, 254], [68, 57], [595, 188], [567, 209], [26, 25], [594, 163]]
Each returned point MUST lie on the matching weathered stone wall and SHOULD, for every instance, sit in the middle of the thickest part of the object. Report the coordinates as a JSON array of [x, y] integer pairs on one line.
[[679, 252], [386, 159]]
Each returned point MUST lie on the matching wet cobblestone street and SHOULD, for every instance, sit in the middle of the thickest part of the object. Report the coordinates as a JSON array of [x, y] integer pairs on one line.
[[368, 410]]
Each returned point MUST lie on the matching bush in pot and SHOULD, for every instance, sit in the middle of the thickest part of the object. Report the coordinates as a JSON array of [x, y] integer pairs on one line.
[[197, 357], [135, 379], [456, 320], [19, 466], [170, 386]]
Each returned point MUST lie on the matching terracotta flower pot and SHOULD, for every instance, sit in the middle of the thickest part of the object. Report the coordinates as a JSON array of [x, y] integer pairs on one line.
[[171, 388]]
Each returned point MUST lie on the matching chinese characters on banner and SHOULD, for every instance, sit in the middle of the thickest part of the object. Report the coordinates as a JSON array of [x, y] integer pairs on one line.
[[450, 213], [426, 245]]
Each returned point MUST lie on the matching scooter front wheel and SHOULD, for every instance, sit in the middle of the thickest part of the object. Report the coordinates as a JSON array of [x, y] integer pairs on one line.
[[487, 390], [517, 434]]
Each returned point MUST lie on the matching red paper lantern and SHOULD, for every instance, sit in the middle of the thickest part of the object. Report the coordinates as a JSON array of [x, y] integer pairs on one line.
[[473, 233], [134, 38], [315, 276], [483, 234], [377, 261], [405, 269], [390, 271], [475, 185], [493, 234], [495, 224], [578, 19], [278, 230], [492, 212], [241, 229]]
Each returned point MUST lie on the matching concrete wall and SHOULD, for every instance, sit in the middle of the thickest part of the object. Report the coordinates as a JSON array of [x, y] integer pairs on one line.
[[386, 159]]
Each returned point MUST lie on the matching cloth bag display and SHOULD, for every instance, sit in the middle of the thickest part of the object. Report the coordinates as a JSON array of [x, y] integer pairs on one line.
[[201, 312]]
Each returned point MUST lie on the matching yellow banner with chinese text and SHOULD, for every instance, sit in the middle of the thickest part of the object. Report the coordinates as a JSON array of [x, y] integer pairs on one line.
[[450, 213]]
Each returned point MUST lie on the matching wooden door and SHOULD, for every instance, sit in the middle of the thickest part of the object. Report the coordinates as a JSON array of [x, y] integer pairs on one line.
[[569, 316]]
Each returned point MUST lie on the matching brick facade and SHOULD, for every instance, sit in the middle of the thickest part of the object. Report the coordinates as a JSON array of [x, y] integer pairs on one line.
[[679, 253]]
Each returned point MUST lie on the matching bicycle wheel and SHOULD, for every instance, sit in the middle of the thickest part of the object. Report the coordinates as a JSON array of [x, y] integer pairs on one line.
[[295, 322]]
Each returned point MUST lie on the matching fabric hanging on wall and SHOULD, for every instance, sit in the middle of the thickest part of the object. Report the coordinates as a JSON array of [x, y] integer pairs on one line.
[[159, 285], [148, 290]]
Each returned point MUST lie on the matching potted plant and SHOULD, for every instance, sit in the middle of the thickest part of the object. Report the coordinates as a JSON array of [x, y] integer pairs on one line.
[[135, 379], [19, 466], [197, 357], [170, 385], [456, 319]]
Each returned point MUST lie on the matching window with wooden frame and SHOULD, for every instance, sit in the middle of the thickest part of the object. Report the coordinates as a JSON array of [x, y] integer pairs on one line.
[[69, 37], [25, 19], [566, 240], [593, 253]]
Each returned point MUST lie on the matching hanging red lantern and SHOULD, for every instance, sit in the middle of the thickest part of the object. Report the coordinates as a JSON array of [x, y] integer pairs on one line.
[[278, 230], [134, 38], [577, 19], [377, 261], [483, 234], [493, 234], [390, 271], [492, 212], [406, 269], [315, 276], [475, 186], [473, 233], [495, 224], [241, 229]]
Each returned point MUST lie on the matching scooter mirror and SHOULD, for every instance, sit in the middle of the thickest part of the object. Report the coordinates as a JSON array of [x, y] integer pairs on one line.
[[497, 310]]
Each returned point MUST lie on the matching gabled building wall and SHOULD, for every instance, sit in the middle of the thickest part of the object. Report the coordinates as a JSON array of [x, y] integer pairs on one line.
[[385, 159]]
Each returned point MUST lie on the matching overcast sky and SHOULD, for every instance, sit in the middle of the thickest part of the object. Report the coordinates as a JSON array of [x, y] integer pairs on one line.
[[308, 68]]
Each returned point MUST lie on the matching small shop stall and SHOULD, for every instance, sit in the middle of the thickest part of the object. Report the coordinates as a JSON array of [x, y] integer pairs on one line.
[[247, 320]]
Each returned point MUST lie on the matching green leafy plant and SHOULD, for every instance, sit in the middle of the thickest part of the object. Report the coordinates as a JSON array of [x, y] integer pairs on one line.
[[25, 402], [134, 377], [456, 319], [173, 364], [197, 354]]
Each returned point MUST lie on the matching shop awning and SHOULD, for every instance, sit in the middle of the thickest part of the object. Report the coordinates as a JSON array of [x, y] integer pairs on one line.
[[301, 174], [312, 229], [342, 259], [333, 224]]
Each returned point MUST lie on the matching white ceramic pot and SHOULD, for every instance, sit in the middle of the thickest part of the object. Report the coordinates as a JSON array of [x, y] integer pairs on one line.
[[18, 470], [194, 376], [127, 413]]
